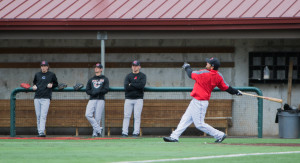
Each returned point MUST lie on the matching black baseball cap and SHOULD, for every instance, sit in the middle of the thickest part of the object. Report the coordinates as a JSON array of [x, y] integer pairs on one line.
[[44, 63], [136, 63], [98, 65], [214, 62]]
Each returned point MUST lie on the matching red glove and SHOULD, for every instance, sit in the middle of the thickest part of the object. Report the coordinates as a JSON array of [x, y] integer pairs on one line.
[[25, 85]]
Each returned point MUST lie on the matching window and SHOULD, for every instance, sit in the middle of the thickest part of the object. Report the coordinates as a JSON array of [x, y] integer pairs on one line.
[[273, 67]]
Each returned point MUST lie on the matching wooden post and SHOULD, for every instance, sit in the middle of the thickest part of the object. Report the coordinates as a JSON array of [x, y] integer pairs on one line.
[[290, 78], [108, 131], [77, 131]]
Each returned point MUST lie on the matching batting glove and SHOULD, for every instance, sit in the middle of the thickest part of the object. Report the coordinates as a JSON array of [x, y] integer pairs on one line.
[[185, 65], [239, 93]]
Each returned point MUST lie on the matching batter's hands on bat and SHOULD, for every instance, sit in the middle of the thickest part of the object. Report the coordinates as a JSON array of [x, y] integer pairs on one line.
[[185, 65], [34, 87], [239, 93], [49, 85]]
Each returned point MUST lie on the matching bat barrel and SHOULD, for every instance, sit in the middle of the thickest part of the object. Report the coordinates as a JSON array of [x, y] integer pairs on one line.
[[263, 97]]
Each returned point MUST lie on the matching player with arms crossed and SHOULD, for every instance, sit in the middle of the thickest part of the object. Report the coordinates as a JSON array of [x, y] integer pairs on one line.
[[134, 93], [96, 87], [43, 83], [206, 81]]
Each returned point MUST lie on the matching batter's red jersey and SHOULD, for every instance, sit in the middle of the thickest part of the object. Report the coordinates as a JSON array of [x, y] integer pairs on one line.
[[206, 81]]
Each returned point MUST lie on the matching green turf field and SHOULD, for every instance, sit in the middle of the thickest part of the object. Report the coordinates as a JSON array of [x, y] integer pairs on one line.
[[42, 151]]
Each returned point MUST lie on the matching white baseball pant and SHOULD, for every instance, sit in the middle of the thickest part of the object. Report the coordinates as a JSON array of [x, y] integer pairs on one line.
[[41, 111], [93, 114], [196, 113], [136, 106]]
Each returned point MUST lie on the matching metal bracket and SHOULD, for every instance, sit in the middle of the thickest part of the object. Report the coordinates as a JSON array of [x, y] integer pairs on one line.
[[101, 35]]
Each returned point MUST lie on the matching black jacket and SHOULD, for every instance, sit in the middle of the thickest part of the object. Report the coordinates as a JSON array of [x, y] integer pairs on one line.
[[136, 88], [97, 87], [41, 80]]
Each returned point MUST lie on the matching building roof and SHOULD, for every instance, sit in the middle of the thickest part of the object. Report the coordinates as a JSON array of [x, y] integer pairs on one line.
[[149, 14]]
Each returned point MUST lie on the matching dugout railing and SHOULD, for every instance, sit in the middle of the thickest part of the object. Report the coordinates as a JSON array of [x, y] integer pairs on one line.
[[147, 90]]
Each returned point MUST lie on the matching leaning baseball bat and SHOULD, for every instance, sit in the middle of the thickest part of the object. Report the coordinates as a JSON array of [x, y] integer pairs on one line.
[[263, 97]]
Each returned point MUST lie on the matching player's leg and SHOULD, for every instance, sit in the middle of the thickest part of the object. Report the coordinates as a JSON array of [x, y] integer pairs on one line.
[[128, 107], [98, 114], [198, 116], [186, 121], [89, 114], [137, 110], [44, 112], [37, 107]]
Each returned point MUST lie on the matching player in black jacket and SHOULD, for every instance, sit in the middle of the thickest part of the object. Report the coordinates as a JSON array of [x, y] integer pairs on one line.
[[96, 87], [134, 93], [43, 83]]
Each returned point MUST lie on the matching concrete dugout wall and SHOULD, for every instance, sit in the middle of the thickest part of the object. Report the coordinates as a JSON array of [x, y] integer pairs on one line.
[[11, 78]]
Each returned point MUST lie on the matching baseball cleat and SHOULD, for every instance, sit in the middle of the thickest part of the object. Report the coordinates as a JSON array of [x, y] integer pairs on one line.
[[97, 135], [221, 139], [135, 135], [124, 135], [169, 139], [41, 135]]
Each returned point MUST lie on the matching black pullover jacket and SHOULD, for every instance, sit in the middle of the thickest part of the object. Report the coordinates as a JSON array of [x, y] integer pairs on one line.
[[136, 88], [41, 80], [97, 87]]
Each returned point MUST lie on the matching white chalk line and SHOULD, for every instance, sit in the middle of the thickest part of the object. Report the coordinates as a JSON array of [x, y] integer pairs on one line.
[[211, 157]]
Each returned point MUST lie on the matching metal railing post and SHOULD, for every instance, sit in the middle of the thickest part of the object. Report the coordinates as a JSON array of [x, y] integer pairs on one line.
[[102, 35], [12, 114]]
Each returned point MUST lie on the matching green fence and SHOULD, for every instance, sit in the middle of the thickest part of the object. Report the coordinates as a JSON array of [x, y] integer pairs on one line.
[[147, 89]]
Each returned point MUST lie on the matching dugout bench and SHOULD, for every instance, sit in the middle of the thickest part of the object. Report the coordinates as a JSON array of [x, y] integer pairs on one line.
[[156, 113]]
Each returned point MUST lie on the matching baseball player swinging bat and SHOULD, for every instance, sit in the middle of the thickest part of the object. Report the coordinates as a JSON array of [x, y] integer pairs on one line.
[[263, 97]]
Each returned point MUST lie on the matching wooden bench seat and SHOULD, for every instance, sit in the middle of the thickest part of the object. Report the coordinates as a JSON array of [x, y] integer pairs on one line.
[[167, 113], [156, 113]]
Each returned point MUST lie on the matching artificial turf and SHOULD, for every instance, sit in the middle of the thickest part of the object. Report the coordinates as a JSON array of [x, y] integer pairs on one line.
[[114, 150]]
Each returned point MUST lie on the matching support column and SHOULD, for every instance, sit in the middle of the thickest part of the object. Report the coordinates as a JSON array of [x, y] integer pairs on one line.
[[102, 35]]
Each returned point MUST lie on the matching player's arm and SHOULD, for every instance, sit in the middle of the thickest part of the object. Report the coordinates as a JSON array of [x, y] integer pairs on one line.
[[233, 91], [54, 81], [88, 88], [140, 84], [187, 69], [226, 87], [34, 87], [127, 84], [34, 80], [104, 89]]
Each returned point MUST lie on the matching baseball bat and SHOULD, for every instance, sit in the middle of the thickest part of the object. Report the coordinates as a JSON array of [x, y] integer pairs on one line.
[[263, 97]]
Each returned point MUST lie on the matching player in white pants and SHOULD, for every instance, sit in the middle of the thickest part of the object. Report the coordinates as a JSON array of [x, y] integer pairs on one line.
[[43, 83], [206, 81], [134, 93], [136, 106], [196, 113], [96, 87], [41, 110], [93, 114]]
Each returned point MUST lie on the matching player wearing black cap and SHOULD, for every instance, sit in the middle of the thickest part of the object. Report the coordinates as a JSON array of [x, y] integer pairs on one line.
[[43, 83], [96, 87], [205, 81], [134, 93]]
